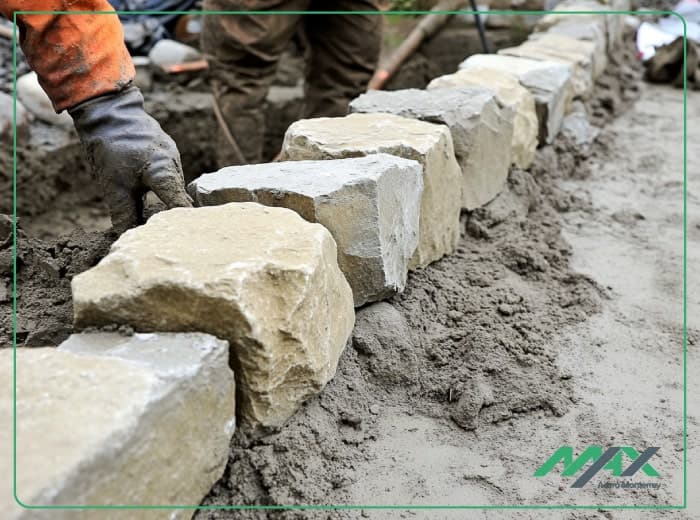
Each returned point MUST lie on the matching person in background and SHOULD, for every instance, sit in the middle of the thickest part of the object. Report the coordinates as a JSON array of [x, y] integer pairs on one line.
[[243, 51], [84, 67]]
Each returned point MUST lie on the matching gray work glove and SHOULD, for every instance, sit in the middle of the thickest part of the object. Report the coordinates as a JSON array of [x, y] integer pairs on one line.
[[130, 154]]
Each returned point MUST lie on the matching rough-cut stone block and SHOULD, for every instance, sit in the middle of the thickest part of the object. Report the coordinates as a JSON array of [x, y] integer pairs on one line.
[[262, 278], [371, 206], [107, 419], [549, 82], [586, 40], [587, 31], [429, 144], [579, 54], [481, 128], [610, 24], [510, 93]]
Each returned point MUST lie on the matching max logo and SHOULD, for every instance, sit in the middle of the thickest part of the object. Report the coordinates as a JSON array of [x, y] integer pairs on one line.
[[611, 460]]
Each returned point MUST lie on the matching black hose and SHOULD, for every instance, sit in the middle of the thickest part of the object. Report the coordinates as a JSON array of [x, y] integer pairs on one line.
[[480, 28]]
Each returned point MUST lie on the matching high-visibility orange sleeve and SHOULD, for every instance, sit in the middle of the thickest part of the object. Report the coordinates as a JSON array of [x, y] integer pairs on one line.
[[76, 56]]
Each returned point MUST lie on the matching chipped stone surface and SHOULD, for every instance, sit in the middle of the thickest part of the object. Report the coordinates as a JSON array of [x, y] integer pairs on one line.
[[555, 47], [371, 206], [429, 144], [548, 81], [578, 130], [510, 93], [481, 128], [107, 419], [262, 278]]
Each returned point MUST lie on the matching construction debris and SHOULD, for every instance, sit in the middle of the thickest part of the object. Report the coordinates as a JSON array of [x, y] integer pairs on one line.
[[33, 97], [7, 120]]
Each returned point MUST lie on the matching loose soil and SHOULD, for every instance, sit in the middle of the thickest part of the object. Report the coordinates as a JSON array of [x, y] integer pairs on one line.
[[44, 273]]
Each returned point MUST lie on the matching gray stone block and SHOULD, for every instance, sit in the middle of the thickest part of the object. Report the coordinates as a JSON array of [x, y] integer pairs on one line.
[[431, 145], [549, 82], [562, 49], [261, 278], [371, 206], [480, 125], [107, 419]]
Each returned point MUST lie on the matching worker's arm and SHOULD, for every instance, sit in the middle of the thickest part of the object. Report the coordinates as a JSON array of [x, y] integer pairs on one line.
[[76, 56], [84, 66]]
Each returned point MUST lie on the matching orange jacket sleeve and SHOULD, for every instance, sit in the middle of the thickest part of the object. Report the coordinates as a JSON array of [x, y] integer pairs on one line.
[[76, 57]]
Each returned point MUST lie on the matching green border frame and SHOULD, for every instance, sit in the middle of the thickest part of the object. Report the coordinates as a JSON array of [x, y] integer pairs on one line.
[[684, 505]]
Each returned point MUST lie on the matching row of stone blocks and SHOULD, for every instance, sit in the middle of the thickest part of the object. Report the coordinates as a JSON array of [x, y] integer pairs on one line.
[[273, 264]]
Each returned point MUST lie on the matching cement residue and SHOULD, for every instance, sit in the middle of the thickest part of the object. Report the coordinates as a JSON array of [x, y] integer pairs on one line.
[[44, 272]]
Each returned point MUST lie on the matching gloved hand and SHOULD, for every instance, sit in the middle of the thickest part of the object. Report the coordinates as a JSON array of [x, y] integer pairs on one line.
[[130, 154]]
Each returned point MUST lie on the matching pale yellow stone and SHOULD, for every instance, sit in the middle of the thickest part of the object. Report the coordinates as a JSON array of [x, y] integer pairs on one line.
[[554, 47], [566, 12], [548, 81], [112, 420], [577, 50], [429, 144], [510, 93], [262, 278]]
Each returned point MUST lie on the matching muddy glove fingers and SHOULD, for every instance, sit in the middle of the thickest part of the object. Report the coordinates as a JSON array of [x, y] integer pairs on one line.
[[129, 153], [165, 177]]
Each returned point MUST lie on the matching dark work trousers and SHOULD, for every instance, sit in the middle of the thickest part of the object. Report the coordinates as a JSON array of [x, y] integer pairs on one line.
[[243, 52]]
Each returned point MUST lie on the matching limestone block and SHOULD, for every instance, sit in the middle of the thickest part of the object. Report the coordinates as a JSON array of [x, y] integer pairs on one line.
[[107, 419], [371, 206], [429, 144], [565, 13], [481, 128], [579, 54], [262, 278], [581, 30], [7, 121], [548, 81], [593, 49], [510, 93]]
